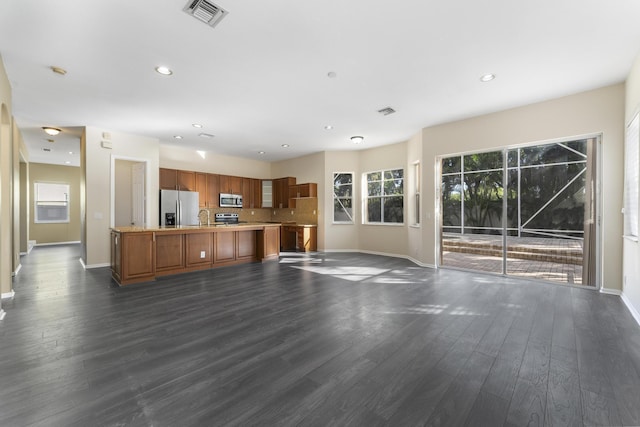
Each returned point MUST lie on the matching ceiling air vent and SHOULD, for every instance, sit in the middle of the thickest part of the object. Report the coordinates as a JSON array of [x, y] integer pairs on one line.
[[386, 111], [205, 11]]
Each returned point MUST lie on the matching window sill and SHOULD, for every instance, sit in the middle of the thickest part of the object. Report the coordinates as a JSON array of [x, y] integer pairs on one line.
[[391, 224], [631, 238]]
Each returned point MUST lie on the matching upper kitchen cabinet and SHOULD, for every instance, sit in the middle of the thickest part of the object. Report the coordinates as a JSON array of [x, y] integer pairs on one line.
[[299, 191], [230, 184], [172, 179], [251, 193], [168, 179], [213, 190], [201, 188], [186, 180], [281, 191]]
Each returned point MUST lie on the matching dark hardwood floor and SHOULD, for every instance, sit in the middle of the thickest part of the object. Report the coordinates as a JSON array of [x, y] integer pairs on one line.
[[321, 339]]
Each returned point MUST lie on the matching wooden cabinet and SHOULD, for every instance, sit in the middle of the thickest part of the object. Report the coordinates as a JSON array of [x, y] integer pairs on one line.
[[251, 193], [302, 238], [201, 188], [213, 190], [299, 191], [169, 252], [199, 250], [168, 179], [230, 184], [186, 180], [245, 245], [268, 243], [173, 179], [133, 257], [224, 247], [281, 191]]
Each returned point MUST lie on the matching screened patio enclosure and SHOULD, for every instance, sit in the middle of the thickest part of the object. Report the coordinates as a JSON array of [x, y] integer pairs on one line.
[[527, 211]]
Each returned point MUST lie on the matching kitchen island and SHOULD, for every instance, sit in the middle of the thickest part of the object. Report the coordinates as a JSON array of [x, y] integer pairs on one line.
[[140, 254]]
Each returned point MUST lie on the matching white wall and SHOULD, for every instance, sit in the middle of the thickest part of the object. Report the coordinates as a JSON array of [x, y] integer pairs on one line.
[[308, 168], [98, 182], [592, 112], [631, 250], [187, 159], [123, 201]]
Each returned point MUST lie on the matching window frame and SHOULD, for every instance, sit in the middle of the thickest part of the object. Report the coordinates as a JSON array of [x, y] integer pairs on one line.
[[351, 197], [366, 197], [43, 203]]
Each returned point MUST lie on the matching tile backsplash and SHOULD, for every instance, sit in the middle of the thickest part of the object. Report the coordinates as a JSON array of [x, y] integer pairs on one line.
[[305, 212]]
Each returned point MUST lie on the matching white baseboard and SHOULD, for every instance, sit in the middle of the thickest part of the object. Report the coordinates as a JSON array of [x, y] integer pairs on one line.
[[58, 243], [610, 291], [8, 295], [2, 314], [15, 273], [632, 309], [415, 261], [90, 266]]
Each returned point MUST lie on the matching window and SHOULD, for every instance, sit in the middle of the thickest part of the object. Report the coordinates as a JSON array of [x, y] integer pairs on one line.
[[385, 197], [51, 202], [343, 197], [631, 176]]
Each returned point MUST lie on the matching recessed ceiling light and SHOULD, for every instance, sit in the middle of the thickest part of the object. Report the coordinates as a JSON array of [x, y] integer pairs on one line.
[[67, 162], [328, 127], [51, 131], [260, 152], [357, 139], [197, 125], [285, 145], [487, 77], [165, 71], [71, 152], [177, 136]]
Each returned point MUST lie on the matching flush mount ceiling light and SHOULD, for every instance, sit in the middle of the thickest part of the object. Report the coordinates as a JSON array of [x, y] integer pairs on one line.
[[51, 131], [357, 139], [487, 77], [260, 152], [285, 145], [328, 127], [197, 125], [165, 71], [177, 136], [58, 70]]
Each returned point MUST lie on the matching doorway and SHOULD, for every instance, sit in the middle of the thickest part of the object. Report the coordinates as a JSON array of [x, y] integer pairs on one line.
[[129, 192], [528, 211]]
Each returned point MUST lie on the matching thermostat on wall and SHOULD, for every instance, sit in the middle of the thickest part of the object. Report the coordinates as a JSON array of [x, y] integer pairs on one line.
[[106, 144]]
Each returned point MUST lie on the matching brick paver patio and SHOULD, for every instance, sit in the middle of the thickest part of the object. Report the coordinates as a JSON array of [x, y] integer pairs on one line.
[[556, 260]]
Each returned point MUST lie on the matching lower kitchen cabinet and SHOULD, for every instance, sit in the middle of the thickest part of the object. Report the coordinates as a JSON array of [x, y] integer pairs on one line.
[[142, 255], [169, 252], [302, 238]]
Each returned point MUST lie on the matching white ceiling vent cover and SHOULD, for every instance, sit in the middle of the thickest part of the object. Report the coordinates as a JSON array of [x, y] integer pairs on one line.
[[205, 11]]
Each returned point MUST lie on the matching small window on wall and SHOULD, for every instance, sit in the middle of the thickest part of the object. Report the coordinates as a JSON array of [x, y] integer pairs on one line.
[[384, 203], [343, 198], [51, 203]]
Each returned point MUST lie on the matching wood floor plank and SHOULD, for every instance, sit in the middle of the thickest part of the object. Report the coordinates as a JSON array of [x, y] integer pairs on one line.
[[316, 339]]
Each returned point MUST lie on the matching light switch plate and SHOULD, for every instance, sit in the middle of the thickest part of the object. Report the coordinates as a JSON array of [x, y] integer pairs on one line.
[[202, 254]]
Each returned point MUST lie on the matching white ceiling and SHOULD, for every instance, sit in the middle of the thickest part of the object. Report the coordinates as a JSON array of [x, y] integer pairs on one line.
[[260, 78]]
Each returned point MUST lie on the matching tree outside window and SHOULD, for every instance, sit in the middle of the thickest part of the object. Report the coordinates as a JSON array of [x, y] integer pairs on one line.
[[343, 197], [385, 197]]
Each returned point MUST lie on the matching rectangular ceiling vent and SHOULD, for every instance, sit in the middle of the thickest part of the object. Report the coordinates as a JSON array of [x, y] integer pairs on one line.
[[386, 111], [205, 11]]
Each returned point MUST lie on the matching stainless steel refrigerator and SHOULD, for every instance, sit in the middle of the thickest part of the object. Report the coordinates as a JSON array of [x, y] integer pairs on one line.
[[178, 207]]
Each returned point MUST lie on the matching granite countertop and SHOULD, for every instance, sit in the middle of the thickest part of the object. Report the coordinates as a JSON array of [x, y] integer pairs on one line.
[[131, 229]]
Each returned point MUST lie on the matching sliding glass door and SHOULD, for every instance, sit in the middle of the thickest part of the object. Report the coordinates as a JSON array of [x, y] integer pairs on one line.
[[526, 211]]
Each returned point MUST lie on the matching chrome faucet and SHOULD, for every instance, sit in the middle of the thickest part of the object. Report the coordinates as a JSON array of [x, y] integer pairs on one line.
[[208, 216]]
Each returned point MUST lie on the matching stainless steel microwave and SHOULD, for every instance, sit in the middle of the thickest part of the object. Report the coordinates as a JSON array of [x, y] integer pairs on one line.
[[230, 200]]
